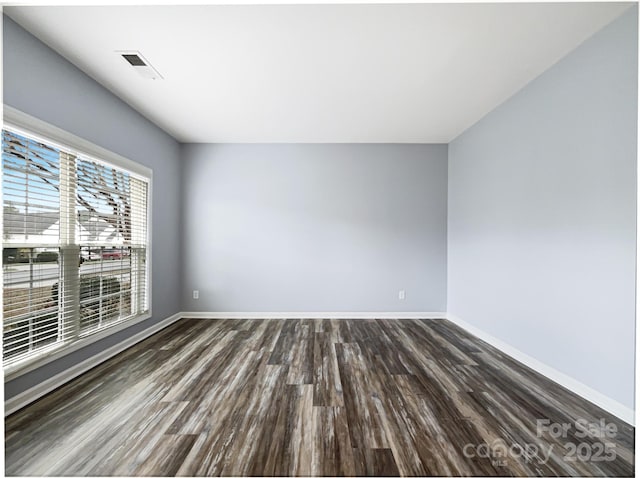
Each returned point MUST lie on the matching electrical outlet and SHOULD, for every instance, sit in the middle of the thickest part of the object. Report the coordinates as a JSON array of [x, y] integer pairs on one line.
[[401, 295], [196, 294]]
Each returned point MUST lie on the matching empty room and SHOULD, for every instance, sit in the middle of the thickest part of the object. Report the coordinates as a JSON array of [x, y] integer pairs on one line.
[[319, 239]]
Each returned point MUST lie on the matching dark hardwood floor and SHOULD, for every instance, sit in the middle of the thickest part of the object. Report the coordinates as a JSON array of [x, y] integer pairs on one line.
[[314, 397]]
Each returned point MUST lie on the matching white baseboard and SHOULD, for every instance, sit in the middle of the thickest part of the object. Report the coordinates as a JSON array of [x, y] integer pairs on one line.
[[22, 399], [314, 315], [612, 406]]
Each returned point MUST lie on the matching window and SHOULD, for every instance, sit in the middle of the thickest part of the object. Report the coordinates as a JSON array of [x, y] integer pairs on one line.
[[75, 245]]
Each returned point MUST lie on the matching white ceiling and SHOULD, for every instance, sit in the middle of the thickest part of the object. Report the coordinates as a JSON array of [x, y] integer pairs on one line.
[[412, 73]]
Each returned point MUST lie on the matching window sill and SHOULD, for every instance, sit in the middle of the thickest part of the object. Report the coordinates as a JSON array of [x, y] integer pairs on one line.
[[58, 351]]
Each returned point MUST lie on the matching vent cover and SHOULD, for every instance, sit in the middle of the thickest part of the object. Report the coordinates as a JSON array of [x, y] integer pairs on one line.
[[134, 60], [140, 64]]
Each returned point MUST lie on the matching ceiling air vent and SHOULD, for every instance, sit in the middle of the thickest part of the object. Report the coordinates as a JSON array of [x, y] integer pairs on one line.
[[140, 64]]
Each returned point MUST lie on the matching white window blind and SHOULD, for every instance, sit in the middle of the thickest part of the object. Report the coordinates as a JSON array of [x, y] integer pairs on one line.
[[75, 245]]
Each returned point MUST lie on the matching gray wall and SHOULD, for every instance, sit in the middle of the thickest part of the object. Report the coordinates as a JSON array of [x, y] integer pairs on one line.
[[330, 227], [542, 215], [41, 83]]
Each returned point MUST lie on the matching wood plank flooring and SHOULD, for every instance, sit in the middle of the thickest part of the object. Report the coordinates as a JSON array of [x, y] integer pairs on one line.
[[313, 397]]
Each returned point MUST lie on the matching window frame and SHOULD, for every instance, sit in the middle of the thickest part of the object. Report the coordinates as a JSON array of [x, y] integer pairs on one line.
[[38, 129]]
